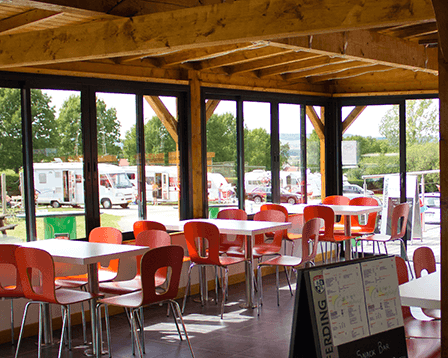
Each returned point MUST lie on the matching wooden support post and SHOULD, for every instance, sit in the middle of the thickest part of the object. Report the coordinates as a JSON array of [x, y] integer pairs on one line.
[[197, 154], [322, 156]]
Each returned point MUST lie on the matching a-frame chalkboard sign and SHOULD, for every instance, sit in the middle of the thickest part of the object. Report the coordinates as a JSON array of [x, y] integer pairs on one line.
[[348, 309]]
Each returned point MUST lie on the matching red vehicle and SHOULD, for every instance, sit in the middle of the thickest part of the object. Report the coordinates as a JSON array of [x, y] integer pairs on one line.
[[263, 193]]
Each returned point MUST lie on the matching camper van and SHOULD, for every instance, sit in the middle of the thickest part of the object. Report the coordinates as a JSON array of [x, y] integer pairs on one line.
[[58, 183]]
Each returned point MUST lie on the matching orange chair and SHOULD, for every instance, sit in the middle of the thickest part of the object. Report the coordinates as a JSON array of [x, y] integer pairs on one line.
[[150, 264], [7, 257], [369, 227], [400, 212], [327, 214], [337, 200], [143, 225], [424, 260], [415, 328], [31, 262], [238, 240], [289, 236], [310, 233], [262, 248], [195, 232]]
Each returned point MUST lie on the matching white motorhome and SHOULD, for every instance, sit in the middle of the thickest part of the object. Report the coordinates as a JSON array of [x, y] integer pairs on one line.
[[58, 183]]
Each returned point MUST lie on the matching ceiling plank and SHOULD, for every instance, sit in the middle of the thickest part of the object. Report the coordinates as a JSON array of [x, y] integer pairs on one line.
[[315, 121], [24, 20], [323, 70], [164, 115], [441, 11], [412, 31], [350, 73], [226, 23], [281, 59], [351, 118], [370, 46], [300, 66]]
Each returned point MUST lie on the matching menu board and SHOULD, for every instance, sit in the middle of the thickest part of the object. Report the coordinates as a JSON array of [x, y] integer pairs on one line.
[[349, 309]]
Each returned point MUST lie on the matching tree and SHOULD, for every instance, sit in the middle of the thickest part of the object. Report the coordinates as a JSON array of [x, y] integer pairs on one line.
[[421, 123], [257, 148], [45, 134], [69, 124], [221, 137], [157, 140]]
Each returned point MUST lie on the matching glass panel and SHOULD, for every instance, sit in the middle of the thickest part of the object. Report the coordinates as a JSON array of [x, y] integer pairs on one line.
[[257, 154], [58, 168], [313, 159], [221, 157]]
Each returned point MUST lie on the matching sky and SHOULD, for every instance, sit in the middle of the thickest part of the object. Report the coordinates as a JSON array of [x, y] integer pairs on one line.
[[256, 115]]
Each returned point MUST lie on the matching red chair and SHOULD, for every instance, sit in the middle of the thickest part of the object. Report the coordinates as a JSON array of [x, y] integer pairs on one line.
[[327, 235], [399, 212], [8, 259], [424, 260], [143, 225], [289, 236], [151, 263], [310, 234], [195, 232], [238, 240], [415, 328], [262, 248], [369, 227], [337, 200], [32, 262]]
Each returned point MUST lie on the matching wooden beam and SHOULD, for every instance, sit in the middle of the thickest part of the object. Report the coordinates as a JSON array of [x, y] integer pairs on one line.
[[164, 115], [411, 31], [315, 121], [279, 60], [369, 46], [210, 107], [220, 24], [441, 11], [303, 65], [326, 69], [350, 73], [350, 119], [323, 183], [23, 20]]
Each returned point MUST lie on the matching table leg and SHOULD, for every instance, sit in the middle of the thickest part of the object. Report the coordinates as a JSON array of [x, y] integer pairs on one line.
[[347, 232], [47, 326], [249, 273], [92, 272]]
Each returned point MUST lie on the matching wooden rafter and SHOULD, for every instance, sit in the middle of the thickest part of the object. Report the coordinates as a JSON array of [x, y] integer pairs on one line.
[[351, 118], [210, 107], [219, 24], [24, 20], [164, 115], [334, 68], [315, 121], [353, 72], [441, 11], [412, 31]]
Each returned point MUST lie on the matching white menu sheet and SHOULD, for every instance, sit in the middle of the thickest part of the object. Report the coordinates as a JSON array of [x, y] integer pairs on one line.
[[346, 303], [382, 295]]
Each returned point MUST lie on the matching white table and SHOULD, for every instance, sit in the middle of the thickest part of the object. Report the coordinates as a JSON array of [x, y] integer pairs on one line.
[[247, 228], [422, 292], [85, 253], [346, 211]]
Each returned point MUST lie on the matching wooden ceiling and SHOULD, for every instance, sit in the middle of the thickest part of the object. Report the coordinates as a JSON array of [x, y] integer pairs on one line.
[[325, 47]]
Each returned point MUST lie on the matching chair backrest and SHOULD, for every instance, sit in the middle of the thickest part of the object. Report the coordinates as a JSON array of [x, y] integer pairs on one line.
[[270, 206], [321, 212], [231, 214], [153, 261], [336, 200], [8, 259], [310, 233], [142, 225], [195, 233], [424, 260], [152, 239], [107, 235], [403, 277], [371, 219], [33, 262], [401, 211], [274, 216]]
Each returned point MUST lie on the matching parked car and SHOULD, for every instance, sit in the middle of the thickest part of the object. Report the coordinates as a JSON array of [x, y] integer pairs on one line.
[[263, 193], [355, 189], [431, 204]]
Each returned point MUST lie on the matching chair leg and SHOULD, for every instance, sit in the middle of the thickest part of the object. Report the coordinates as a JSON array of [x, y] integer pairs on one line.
[[19, 340], [188, 287], [175, 321], [142, 327], [134, 329], [277, 284], [107, 321], [65, 319], [224, 288], [216, 284], [288, 278], [12, 321], [179, 314], [39, 337], [260, 289]]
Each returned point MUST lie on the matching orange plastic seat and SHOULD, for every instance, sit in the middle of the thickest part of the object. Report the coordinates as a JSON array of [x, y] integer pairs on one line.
[[424, 259], [238, 240], [142, 225], [399, 212], [195, 231], [8, 260], [32, 262], [150, 264], [415, 328], [337, 200], [262, 248], [327, 235], [310, 234], [369, 227]]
